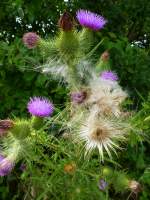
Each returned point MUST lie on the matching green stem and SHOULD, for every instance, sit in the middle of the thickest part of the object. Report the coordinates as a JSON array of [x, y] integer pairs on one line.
[[73, 76], [93, 50], [107, 195]]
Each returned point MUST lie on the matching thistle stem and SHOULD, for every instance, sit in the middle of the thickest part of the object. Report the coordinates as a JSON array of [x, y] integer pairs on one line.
[[94, 49]]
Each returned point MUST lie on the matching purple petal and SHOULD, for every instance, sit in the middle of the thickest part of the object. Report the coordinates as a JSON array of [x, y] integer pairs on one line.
[[102, 184], [109, 75], [6, 166], [90, 20]]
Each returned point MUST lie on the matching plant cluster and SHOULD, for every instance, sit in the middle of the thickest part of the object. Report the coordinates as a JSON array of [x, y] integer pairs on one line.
[[73, 148]]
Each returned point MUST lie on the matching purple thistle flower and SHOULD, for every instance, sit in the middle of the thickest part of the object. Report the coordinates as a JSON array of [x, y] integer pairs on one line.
[[30, 39], [90, 20], [102, 184], [6, 166], [40, 107], [78, 97], [109, 75]]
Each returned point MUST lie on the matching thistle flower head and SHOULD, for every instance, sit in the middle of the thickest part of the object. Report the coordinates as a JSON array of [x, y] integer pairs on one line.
[[102, 184], [66, 22], [21, 129], [78, 97], [109, 75], [30, 39], [90, 20], [6, 166], [40, 107], [103, 134], [5, 126]]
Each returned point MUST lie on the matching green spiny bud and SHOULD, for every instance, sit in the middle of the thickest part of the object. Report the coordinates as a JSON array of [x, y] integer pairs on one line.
[[47, 47], [120, 182], [21, 129], [67, 44], [107, 172], [37, 122]]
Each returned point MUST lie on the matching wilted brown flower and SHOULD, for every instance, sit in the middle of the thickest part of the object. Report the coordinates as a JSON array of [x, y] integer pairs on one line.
[[5, 125], [66, 22], [135, 186]]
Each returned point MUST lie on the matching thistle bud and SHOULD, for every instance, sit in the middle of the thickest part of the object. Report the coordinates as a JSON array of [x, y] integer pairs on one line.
[[78, 97], [121, 181], [102, 184], [107, 171], [134, 186], [105, 56], [30, 40], [21, 129], [70, 168], [103, 63], [66, 22], [5, 126]]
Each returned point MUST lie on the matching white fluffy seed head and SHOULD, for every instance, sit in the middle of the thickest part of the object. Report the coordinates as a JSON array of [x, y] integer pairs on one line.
[[103, 134], [106, 97]]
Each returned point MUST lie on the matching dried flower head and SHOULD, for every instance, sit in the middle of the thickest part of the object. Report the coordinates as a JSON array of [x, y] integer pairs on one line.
[[78, 97], [102, 184], [105, 56], [90, 20], [103, 134], [109, 75], [106, 97], [5, 126], [6, 166], [40, 107], [30, 39], [135, 186], [66, 22]]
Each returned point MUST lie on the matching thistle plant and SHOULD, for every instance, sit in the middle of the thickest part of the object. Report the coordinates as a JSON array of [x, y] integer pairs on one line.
[[93, 118], [95, 94]]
